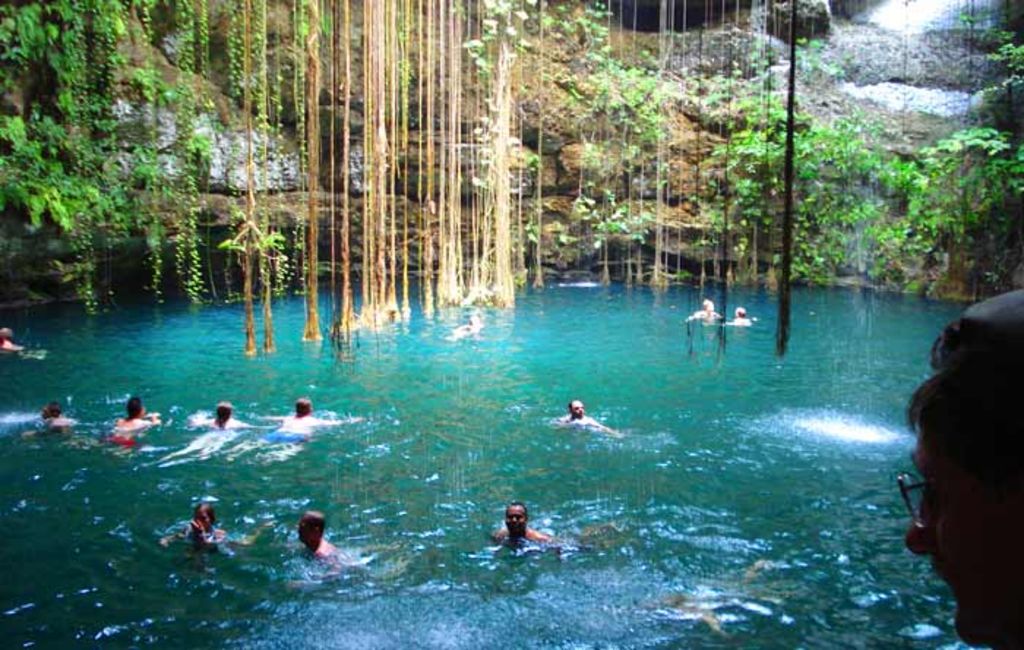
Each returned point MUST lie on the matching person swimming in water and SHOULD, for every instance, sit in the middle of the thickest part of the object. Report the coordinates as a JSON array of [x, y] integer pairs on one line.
[[577, 417], [740, 320], [204, 535], [516, 529], [472, 328], [302, 423], [225, 418], [126, 429], [311, 534], [54, 420], [200, 531], [707, 313], [6, 342]]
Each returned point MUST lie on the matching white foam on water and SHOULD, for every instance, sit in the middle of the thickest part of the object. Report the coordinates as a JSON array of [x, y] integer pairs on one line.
[[11, 419], [579, 285], [202, 448], [920, 631]]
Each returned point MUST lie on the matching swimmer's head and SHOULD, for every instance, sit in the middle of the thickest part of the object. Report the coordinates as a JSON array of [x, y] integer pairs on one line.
[[134, 408], [224, 410], [475, 320], [515, 519], [311, 529], [51, 410], [303, 407], [203, 518], [6, 333], [576, 411], [707, 305], [741, 312]]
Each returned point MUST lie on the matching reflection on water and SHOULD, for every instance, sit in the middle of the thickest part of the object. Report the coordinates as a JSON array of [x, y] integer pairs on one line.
[[750, 497]]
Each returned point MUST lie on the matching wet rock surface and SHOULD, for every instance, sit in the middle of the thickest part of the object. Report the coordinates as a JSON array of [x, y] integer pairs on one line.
[[945, 60], [813, 19]]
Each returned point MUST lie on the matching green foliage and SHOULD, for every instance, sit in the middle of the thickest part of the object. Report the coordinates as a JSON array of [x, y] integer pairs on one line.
[[60, 161], [812, 62], [833, 165], [954, 192]]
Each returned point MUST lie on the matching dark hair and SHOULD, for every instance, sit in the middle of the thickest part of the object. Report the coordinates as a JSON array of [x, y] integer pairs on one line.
[[205, 509], [996, 324], [303, 406], [968, 410], [313, 519], [224, 410], [518, 504], [51, 410], [134, 407]]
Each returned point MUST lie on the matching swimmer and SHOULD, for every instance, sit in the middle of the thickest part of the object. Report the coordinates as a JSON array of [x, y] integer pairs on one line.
[[53, 420], [516, 529], [311, 534], [6, 344], [200, 530], [689, 607], [740, 319], [303, 421], [225, 417], [707, 313], [577, 417], [136, 422], [472, 328]]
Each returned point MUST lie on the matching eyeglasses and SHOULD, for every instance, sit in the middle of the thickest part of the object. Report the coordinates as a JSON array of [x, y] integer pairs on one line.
[[915, 492]]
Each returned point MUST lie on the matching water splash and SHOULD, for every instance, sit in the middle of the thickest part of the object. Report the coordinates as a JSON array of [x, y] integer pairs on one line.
[[844, 427], [14, 419]]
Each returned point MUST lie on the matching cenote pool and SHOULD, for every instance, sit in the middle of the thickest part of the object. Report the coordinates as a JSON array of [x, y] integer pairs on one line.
[[750, 504]]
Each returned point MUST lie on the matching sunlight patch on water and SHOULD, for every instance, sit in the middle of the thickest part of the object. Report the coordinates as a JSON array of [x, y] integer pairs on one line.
[[845, 428], [831, 425]]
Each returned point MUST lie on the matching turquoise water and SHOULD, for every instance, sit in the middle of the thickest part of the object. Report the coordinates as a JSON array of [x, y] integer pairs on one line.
[[750, 503]]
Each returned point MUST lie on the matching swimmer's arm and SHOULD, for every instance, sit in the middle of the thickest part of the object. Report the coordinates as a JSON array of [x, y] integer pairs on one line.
[[251, 538], [591, 422], [345, 420], [500, 536], [166, 540], [537, 536], [614, 433]]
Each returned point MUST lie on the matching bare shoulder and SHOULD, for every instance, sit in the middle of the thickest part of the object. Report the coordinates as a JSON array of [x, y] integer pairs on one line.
[[537, 536]]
